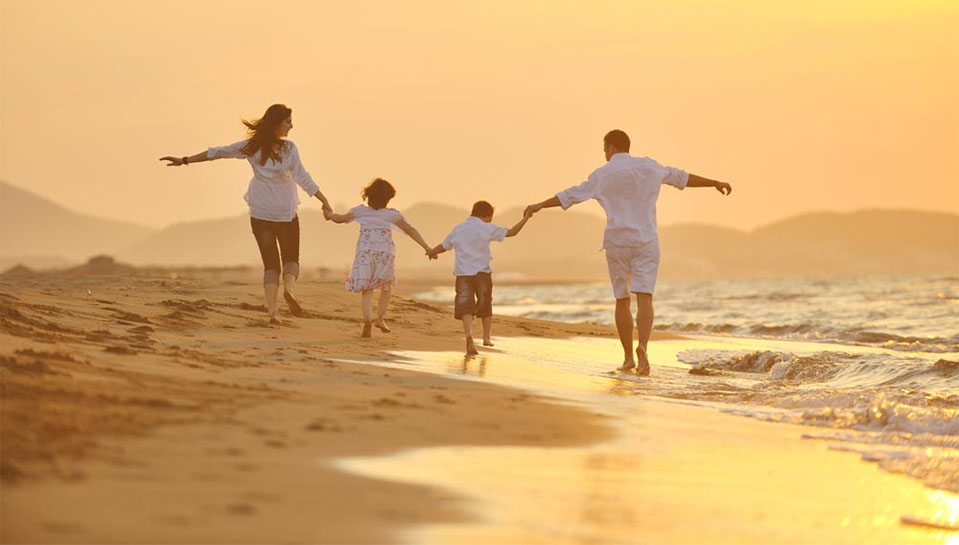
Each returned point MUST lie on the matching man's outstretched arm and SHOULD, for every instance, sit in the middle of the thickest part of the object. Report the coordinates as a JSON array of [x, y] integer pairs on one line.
[[699, 181], [548, 203]]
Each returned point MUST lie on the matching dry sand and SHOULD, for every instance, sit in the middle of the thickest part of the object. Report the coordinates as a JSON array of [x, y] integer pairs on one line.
[[157, 410]]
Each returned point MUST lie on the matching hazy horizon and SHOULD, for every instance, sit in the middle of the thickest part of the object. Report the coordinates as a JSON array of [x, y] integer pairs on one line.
[[819, 106]]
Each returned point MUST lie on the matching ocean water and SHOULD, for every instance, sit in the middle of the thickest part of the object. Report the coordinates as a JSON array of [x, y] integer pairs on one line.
[[869, 362]]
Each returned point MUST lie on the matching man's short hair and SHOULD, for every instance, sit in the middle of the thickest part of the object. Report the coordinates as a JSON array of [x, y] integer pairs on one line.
[[482, 209], [618, 139]]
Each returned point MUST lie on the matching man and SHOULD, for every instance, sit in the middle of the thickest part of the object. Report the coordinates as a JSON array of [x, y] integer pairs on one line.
[[627, 188]]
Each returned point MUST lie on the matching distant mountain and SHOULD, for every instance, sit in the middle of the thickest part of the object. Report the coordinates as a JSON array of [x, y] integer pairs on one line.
[[555, 245], [35, 231], [560, 245]]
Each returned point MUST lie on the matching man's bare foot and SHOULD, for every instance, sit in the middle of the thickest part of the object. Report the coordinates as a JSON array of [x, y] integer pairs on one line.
[[487, 342], [643, 359], [627, 366], [291, 302], [381, 324], [367, 330], [470, 347]]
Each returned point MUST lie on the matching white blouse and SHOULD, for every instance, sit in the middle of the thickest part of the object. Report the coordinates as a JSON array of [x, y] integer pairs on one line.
[[370, 218], [271, 194]]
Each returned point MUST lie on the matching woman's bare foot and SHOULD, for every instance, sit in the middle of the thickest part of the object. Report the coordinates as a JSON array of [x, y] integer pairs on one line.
[[627, 366], [381, 324], [291, 302], [275, 321], [367, 330], [643, 359], [470, 347], [487, 342]]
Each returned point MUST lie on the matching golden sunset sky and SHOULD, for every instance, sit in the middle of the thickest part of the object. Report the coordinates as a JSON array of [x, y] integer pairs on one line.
[[802, 106]]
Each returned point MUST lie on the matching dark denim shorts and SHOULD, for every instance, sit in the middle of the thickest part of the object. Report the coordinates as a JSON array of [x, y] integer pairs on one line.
[[474, 295]]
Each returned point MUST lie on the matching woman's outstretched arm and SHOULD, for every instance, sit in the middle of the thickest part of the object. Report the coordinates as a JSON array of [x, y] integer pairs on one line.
[[185, 160]]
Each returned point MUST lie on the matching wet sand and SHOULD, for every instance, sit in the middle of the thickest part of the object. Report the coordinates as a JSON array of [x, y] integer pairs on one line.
[[167, 411]]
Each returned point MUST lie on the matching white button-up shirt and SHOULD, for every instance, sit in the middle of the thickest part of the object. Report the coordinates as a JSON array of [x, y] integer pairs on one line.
[[271, 194], [627, 188], [470, 240]]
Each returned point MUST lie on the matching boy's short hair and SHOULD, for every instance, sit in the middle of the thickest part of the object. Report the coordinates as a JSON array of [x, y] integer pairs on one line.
[[482, 209], [618, 139], [378, 193]]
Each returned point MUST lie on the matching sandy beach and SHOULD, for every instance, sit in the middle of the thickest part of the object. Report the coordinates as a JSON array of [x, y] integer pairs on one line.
[[166, 410]]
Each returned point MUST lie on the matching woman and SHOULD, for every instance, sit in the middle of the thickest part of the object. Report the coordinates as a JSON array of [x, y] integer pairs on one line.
[[272, 198]]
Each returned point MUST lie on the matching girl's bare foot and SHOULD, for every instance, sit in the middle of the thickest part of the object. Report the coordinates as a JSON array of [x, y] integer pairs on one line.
[[643, 368], [381, 324], [367, 330], [487, 342], [470, 347], [291, 302]]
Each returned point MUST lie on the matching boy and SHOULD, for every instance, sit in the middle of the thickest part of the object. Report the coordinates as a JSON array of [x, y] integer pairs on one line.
[[474, 280]]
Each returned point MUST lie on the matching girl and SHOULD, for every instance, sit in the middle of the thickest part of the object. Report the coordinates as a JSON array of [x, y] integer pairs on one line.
[[272, 198], [375, 251]]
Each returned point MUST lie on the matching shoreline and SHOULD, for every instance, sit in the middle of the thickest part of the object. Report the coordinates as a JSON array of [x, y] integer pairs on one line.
[[226, 430]]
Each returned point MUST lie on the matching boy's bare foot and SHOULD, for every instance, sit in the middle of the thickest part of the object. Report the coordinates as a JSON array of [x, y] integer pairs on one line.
[[643, 359], [291, 302], [487, 342], [470, 347], [381, 324], [367, 330], [627, 366]]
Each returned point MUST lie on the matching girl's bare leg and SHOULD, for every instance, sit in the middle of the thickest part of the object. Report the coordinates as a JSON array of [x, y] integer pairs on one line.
[[381, 310], [367, 305]]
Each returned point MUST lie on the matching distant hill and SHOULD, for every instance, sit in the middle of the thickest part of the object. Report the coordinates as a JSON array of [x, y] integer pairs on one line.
[[555, 245], [35, 231]]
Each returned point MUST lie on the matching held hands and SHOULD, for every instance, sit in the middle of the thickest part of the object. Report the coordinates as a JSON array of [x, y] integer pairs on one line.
[[431, 254], [327, 211], [173, 161], [532, 209]]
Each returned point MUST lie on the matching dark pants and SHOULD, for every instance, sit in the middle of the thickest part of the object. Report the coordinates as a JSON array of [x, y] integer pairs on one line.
[[287, 234], [474, 295]]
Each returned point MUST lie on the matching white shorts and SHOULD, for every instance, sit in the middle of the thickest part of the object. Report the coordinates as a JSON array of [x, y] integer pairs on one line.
[[633, 268]]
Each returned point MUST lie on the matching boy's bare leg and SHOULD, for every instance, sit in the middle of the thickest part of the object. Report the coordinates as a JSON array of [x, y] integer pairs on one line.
[[644, 325], [624, 326], [381, 310], [468, 331], [270, 291], [366, 303], [487, 325]]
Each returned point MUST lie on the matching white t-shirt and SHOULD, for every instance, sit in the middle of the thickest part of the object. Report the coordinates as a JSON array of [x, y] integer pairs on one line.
[[470, 240], [369, 218], [627, 188], [271, 194]]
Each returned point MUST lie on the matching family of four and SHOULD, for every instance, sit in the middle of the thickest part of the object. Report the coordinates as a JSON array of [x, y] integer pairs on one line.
[[626, 187]]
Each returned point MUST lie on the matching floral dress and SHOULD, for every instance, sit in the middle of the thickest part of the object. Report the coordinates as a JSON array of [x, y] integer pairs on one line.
[[373, 263]]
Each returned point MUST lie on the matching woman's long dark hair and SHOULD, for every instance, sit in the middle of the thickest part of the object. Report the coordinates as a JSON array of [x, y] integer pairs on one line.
[[262, 133]]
